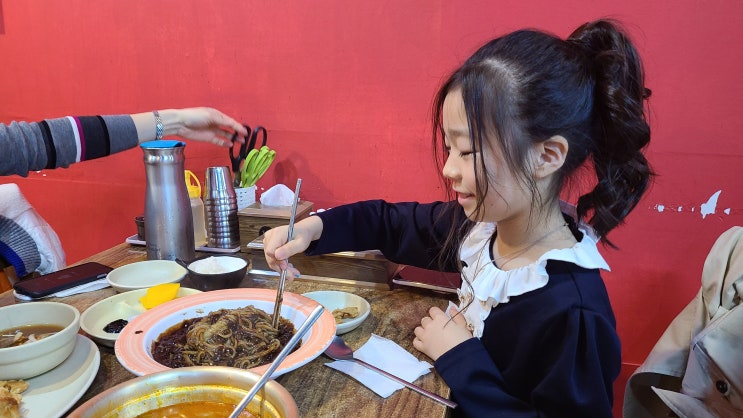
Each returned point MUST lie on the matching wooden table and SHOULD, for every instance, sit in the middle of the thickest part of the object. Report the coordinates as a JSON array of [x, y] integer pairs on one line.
[[318, 390]]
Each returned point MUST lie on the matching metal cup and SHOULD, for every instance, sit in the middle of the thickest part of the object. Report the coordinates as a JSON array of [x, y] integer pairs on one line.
[[220, 209]]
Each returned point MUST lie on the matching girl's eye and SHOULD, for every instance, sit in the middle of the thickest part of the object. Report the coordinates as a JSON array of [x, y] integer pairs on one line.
[[466, 153]]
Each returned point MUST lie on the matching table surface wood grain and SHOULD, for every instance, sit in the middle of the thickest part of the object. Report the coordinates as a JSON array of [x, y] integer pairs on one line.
[[318, 390]]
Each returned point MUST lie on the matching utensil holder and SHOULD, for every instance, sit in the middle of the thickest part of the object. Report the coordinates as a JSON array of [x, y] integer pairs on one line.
[[245, 196]]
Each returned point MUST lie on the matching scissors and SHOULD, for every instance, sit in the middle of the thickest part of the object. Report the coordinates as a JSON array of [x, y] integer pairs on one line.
[[244, 150]]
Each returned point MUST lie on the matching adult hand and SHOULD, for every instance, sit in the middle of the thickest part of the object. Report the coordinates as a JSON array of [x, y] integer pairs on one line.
[[202, 124], [438, 333], [278, 250], [197, 123]]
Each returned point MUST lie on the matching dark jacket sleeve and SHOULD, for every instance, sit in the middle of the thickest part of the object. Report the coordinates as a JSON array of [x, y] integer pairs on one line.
[[543, 354], [408, 233]]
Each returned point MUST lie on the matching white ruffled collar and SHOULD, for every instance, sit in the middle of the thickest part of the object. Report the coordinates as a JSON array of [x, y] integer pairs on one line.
[[491, 285]]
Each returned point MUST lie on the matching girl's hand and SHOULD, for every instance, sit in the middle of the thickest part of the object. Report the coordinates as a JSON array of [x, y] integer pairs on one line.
[[277, 250], [438, 333]]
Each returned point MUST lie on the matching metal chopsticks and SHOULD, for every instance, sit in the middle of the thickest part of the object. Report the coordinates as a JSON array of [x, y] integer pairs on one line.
[[282, 279]]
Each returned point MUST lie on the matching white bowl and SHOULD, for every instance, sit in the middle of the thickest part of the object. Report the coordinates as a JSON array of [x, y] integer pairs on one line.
[[144, 274], [121, 306], [333, 299], [134, 346], [32, 359]]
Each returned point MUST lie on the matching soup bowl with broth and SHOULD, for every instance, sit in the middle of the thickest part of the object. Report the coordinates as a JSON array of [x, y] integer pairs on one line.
[[192, 391], [36, 337]]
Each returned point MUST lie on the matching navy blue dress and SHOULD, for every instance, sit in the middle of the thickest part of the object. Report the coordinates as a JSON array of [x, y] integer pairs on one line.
[[551, 352]]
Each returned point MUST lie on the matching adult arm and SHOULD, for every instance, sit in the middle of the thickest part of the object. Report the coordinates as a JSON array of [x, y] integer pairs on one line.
[[53, 143]]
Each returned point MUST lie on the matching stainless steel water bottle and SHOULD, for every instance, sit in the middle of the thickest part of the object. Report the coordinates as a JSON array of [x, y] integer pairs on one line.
[[167, 208]]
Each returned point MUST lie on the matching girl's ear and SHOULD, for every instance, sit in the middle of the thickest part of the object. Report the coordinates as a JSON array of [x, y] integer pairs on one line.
[[550, 155]]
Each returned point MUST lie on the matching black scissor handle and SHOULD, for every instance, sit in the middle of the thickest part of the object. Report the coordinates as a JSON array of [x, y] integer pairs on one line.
[[242, 150], [254, 137]]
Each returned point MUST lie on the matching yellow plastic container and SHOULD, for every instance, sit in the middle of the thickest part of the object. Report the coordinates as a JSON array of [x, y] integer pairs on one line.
[[197, 208]]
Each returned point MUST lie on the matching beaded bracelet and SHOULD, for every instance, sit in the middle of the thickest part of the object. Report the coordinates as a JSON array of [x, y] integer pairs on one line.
[[158, 126]]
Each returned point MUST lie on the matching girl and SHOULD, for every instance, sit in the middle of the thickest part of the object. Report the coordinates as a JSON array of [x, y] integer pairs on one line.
[[534, 333]]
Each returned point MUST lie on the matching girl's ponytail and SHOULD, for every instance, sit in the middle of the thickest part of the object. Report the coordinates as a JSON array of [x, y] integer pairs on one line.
[[620, 127]]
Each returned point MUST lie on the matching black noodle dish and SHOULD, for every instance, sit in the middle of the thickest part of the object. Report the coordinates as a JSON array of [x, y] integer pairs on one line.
[[241, 337]]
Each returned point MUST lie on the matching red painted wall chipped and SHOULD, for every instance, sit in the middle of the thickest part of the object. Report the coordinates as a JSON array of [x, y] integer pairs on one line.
[[345, 88]]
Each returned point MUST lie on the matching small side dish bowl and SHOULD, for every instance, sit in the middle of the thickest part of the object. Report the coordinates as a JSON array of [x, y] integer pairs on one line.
[[37, 357], [333, 300], [144, 274], [189, 384], [217, 272], [124, 306]]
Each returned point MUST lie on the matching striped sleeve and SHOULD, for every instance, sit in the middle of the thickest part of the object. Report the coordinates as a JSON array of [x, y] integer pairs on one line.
[[60, 142]]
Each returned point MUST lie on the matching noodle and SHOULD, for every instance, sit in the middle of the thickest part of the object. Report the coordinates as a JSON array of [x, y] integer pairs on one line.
[[241, 337]]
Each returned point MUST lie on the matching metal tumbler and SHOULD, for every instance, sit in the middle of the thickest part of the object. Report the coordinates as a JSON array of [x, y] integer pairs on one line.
[[220, 208]]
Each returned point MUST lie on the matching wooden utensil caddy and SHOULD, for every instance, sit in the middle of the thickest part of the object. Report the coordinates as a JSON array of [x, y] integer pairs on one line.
[[256, 219]]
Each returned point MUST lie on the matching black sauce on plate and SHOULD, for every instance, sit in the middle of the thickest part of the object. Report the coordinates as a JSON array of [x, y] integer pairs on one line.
[[115, 327]]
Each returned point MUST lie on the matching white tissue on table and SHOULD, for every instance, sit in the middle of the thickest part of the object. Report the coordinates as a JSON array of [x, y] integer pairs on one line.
[[388, 356], [278, 195]]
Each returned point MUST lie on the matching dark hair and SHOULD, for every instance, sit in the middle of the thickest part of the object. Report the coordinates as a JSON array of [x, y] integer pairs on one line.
[[527, 86]]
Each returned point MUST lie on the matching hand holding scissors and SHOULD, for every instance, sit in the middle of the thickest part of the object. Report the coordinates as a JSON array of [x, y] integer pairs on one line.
[[251, 162], [242, 152]]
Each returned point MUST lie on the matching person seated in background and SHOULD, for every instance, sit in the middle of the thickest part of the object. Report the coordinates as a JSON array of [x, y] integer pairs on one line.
[[53, 143]]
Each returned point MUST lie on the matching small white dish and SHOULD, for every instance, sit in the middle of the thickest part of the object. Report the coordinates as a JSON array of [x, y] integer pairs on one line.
[[51, 394], [144, 274], [121, 306], [334, 299]]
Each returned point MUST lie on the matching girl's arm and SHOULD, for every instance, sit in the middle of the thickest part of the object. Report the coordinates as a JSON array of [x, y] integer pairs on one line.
[[408, 233]]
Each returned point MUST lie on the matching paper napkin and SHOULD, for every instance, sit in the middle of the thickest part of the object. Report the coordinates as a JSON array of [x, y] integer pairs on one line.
[[83, 288], [388, 356]]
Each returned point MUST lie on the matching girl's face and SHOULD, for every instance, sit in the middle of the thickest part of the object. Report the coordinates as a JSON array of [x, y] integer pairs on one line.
[[506, 197]]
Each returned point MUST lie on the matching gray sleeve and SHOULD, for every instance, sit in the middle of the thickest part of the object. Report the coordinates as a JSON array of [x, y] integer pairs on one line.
[[31, 146], [22, 148], [122, 132]]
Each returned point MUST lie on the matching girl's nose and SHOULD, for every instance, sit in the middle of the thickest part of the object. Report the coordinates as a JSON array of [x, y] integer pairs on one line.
[[450, 170]]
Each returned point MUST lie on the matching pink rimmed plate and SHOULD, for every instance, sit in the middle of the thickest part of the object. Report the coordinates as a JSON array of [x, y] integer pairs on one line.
[[134, 345]]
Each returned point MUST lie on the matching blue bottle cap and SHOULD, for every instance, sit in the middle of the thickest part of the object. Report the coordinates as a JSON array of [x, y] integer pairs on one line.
[[163, 144]]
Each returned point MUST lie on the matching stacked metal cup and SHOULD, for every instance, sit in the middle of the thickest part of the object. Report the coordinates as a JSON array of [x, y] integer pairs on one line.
[[220, 208]]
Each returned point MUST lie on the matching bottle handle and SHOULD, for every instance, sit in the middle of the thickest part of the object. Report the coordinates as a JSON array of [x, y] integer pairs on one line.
[[190, 177]]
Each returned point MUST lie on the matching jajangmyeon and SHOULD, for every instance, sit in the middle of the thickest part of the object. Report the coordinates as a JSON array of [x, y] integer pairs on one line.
[[241, 337]]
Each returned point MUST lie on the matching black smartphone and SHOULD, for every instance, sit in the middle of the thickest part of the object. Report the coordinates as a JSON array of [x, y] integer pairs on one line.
[[67, 278]]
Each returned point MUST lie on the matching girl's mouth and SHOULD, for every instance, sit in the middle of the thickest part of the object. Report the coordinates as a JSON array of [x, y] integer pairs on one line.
[[463, 198]]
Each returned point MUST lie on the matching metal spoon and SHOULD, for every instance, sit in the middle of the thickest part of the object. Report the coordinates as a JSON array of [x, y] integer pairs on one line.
[[282, 279], [338, 350], [284, 352]]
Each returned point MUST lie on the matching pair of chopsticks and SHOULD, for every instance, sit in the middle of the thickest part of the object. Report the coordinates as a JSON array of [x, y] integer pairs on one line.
[[282, 279]]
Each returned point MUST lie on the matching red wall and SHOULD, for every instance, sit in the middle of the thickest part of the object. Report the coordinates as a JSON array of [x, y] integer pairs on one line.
[[345, 87]]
